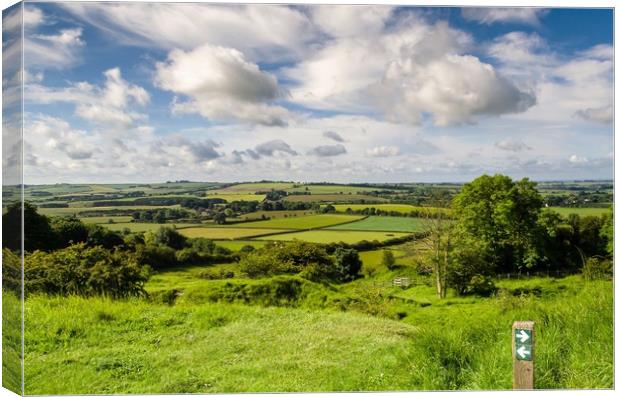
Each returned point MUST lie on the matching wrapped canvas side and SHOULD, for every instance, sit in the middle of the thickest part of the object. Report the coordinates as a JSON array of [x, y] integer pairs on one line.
[[12, 198]]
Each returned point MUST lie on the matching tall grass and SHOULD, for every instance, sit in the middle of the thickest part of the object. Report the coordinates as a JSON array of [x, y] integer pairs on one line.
[[76, 345]]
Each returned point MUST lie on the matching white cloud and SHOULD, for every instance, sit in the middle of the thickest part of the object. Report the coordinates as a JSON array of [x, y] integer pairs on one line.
[[350, 20], [512, 145], [54, 51], [383, 151], [574, 159], [258, 31], [490, 15], [107, 105], [221, 85], [603, 114], [272, 147], [333, 136], [406, 71], [328, 150]]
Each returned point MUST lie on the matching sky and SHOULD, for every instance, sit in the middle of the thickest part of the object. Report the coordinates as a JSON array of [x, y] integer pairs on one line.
[[139, 92]]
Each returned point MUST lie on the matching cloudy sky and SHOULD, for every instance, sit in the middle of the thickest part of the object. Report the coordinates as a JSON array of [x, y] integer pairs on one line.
[[119, 92]]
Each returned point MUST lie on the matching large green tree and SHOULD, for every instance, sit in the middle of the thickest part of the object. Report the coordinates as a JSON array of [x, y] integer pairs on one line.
[[499, 217]]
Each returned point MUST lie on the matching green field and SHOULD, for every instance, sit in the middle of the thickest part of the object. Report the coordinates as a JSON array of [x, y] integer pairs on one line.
[[77, 210], [145, 227], [333, 198], [237, 197], [332, 236], [402, 208], [236, 245], [226, 233], [581, 211], [246, 188], [302, 222], [384, 223], [106, 219], [332, 189], [275, 214]]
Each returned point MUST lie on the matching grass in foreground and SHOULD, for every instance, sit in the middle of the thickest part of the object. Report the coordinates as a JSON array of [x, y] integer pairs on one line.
[[78, 346]]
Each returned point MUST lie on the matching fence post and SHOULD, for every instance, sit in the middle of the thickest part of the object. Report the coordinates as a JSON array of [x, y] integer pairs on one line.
[[523, 355]]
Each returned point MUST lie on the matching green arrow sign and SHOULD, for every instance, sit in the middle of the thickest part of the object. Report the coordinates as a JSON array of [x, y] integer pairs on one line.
[[523, 344]]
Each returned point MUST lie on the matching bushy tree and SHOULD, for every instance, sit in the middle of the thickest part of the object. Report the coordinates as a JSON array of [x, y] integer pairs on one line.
[[503, 216], [348, 264], [607, 231], [69, 230], [85, 271], [38, 232], [388, 260], [169, 237]]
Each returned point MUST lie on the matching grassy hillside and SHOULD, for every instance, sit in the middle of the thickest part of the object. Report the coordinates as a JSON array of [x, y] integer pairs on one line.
[[77, 345]]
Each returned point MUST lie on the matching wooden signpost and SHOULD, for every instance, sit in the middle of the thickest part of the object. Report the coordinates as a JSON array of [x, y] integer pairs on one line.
[[523, 355]]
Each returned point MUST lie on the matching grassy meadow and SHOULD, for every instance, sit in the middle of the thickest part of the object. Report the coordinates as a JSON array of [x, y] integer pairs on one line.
[[384, 223], [334, 236]]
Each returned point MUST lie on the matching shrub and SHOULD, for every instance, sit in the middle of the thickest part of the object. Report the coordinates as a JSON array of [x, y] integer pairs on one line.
[[169, 237], [11, 271], [84, 271], [213, 274], [598, 269], [156, 256], [480, 285], [388, 260], [348, 264]]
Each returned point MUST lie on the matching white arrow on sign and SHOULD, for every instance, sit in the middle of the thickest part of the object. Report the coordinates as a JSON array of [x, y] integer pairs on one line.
[[523, 336], [522, 351]]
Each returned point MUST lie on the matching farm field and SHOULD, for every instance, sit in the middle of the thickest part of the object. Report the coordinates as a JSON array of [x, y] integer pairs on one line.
[[303, 222], [581, 211], [226, 233], [247, 188], [384, 223], [276, 214], [402, 208], [324, 236], [106, 219], [333, 198], [135, 227], [237, 197], [236, 245], [77, 210], [332, 189]]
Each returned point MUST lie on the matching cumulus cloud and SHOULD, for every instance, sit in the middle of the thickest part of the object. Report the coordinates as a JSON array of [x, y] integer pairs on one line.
[[56, 134], [491, 15], [199, 150], [407, 71], [512, 145], [604, 115], [383, 151], [107, 105], [575, 159], [333, 136], [271, 147], [328, 150], [350, 20], [221, 85]]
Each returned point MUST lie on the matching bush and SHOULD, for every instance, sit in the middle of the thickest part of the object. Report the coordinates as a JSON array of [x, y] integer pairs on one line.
[[85, 271], [11, 272], [481, 286], [598, 269], [348, 264], [213, 274], [169, 237], [388, 260], [156, 256]]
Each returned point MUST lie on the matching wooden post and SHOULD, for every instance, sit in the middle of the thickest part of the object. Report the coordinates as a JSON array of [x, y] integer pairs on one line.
[[523, 355]]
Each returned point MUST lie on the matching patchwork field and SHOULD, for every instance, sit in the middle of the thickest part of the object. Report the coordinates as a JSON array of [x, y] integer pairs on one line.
[[333, 198], [77, 210], [245, 188], [226, 233], [564, 211], [303, 222], [384, 223], [402, 208], [106, 219], [237, 197], [330, 236], [275, 214], [145, 227], [236, 245]]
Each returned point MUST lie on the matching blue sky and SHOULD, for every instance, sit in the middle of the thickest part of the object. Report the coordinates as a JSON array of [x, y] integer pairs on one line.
[[139, 92]]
